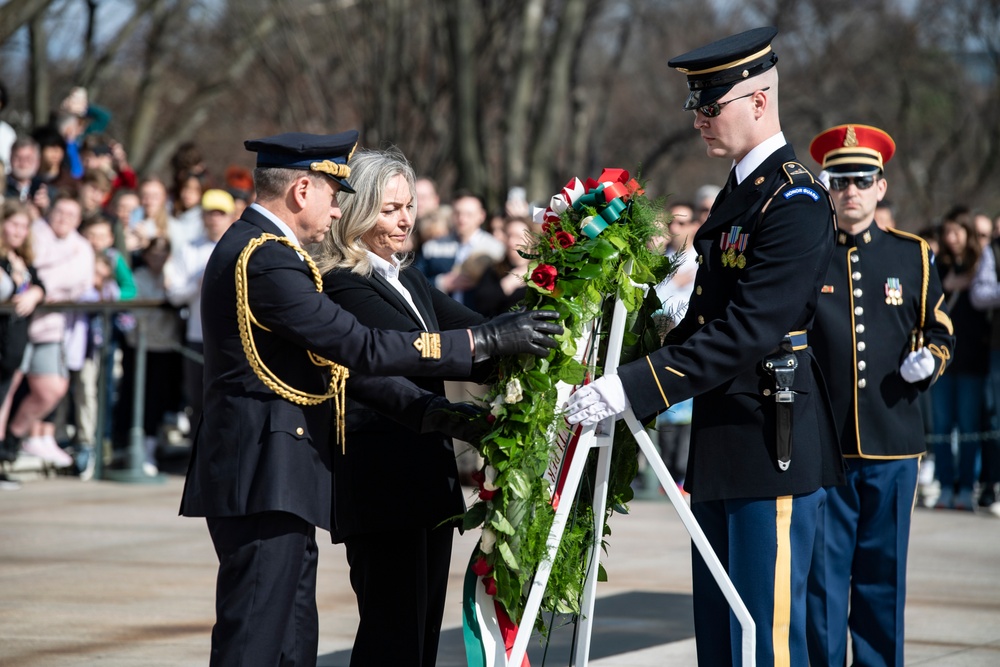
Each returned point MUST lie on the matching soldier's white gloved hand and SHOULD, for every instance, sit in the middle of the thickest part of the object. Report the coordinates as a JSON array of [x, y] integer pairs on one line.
[[917, 366], [598, 400]]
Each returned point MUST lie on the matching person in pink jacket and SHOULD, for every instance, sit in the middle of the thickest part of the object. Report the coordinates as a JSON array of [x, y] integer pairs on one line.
[[65, 264]]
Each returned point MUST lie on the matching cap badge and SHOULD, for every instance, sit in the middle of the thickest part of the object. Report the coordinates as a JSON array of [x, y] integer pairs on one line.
[[746, 73], [851, 138]]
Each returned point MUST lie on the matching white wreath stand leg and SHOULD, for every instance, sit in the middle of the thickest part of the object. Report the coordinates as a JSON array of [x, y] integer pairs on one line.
[[590, 439]]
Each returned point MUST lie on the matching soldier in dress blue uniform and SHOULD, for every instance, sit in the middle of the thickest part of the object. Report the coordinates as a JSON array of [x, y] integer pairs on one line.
[[763, 444], [260, 469], [882, 336]]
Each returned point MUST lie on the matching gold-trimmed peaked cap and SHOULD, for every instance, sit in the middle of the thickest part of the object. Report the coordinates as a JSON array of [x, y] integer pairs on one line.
[[852, 149], [324, 153], [714, 69]]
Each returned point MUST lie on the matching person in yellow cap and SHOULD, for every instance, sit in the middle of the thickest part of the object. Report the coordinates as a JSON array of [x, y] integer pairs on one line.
[[882, 336], [763, 443], [277, 355]]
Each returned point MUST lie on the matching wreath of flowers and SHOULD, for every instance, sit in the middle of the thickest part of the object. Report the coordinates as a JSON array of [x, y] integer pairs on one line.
[[592, 251]]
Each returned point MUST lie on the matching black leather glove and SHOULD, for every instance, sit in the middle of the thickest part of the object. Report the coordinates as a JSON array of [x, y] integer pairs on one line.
[[514, 333], [462, 421]]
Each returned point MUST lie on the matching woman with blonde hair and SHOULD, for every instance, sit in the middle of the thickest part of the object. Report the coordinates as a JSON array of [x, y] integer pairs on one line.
[[19, 285], [398, 561]]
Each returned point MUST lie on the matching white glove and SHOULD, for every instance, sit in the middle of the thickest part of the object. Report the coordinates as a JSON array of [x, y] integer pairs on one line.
[[596, 401], [917, 366]]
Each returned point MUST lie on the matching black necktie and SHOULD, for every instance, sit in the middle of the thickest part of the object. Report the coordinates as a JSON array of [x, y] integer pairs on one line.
[[730, 186]]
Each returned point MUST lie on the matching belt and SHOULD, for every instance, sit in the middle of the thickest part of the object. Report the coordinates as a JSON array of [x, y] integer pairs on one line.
[[799, 340]]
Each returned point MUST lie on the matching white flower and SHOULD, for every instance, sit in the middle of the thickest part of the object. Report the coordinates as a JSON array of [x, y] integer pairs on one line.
[[497, 408], [490, 478], [487, 541], [513, 391]]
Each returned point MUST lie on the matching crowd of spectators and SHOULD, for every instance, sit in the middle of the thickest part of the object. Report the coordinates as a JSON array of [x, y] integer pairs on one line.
[[98, 231]]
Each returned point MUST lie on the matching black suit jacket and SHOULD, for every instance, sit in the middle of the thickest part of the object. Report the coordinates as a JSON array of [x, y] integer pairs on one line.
[[254, 451], [390, 475], [737, 315]]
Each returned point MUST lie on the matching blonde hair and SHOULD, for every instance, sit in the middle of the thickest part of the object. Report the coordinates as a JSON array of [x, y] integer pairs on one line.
[[371, 171], [12, 207]]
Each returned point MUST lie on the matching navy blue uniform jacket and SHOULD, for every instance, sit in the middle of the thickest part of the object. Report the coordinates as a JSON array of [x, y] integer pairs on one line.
[[737, 315], [385, 460], [254, 451], [881, 298]]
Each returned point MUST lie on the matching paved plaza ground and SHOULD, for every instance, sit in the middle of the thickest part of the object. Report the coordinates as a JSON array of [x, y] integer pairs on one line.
[[106, 573]]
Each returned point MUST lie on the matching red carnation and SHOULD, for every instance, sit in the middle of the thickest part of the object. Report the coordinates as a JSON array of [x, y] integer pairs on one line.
[[491, 586], [490, 419], [486, 495], [544, 276], [565, 239], [480, 567]]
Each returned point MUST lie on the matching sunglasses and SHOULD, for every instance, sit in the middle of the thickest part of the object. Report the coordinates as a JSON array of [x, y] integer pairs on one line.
[[715, 108], [860, 182]]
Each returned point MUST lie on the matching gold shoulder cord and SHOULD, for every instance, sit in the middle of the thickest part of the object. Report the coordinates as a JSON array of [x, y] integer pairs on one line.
[[338, 373]]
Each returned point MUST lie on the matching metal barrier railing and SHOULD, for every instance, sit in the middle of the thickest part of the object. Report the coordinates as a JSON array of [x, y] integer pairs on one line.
[[133, 472]]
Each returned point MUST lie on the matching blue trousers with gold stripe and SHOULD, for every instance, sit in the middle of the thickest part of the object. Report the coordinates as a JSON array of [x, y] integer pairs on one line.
[[858, 579], [765, 545]]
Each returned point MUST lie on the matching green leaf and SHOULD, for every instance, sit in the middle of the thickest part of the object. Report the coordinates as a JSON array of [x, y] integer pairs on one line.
[[572, 372], [474, 516], [591, 271], [518, 484], [501, 524], [508, 556], [603, 250], [602, 574]]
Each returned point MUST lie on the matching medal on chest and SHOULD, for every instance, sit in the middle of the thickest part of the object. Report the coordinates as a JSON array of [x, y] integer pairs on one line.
[[893, 292], [733, 244]]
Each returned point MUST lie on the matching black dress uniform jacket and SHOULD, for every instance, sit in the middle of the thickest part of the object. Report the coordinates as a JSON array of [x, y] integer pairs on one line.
[[881, 299], [384, 460], [255, 451], [740, 312]]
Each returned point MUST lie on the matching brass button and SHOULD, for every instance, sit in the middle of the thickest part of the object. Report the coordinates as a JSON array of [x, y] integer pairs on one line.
[[299, 431], [855, 259], [859, 311], [700, 259], [861, 346], [857, 292], [856, 275], [862, 383], [701, 319], [861, 365], [860, 328], [767, 392], [697, 290]]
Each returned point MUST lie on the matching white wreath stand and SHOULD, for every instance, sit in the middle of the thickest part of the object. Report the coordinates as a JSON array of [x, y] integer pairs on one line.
[[589, 439]]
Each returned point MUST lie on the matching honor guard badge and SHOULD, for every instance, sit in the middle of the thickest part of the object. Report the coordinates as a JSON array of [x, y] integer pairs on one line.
[[893, 292], [733, 244], [429, 345]]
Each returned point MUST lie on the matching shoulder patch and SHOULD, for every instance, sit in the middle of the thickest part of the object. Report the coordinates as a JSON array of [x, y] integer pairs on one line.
[[800, 190]]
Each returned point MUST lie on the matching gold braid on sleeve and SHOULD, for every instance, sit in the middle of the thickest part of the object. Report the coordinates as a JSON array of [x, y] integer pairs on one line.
[[245, 318]]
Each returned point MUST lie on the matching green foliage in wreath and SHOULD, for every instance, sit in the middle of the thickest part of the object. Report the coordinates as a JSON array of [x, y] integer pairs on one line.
[[581, 278]]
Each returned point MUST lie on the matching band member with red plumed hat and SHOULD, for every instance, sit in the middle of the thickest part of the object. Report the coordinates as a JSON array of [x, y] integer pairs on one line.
[[881, 336]]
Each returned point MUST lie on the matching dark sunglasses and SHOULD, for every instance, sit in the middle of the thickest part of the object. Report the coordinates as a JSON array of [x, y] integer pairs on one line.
[[860, 182], [715, 108]]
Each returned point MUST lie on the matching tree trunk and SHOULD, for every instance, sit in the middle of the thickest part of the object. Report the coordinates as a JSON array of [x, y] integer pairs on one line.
[[469, 157], [16, 13], [519, 107], [40, 86], [557, 104]]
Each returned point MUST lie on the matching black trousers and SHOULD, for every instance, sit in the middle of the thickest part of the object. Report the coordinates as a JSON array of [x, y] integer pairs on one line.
[[265, 598], [401, 580]]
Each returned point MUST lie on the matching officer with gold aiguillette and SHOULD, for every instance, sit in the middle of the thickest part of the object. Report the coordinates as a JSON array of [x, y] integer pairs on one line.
[[277, 353], [881, 336]]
